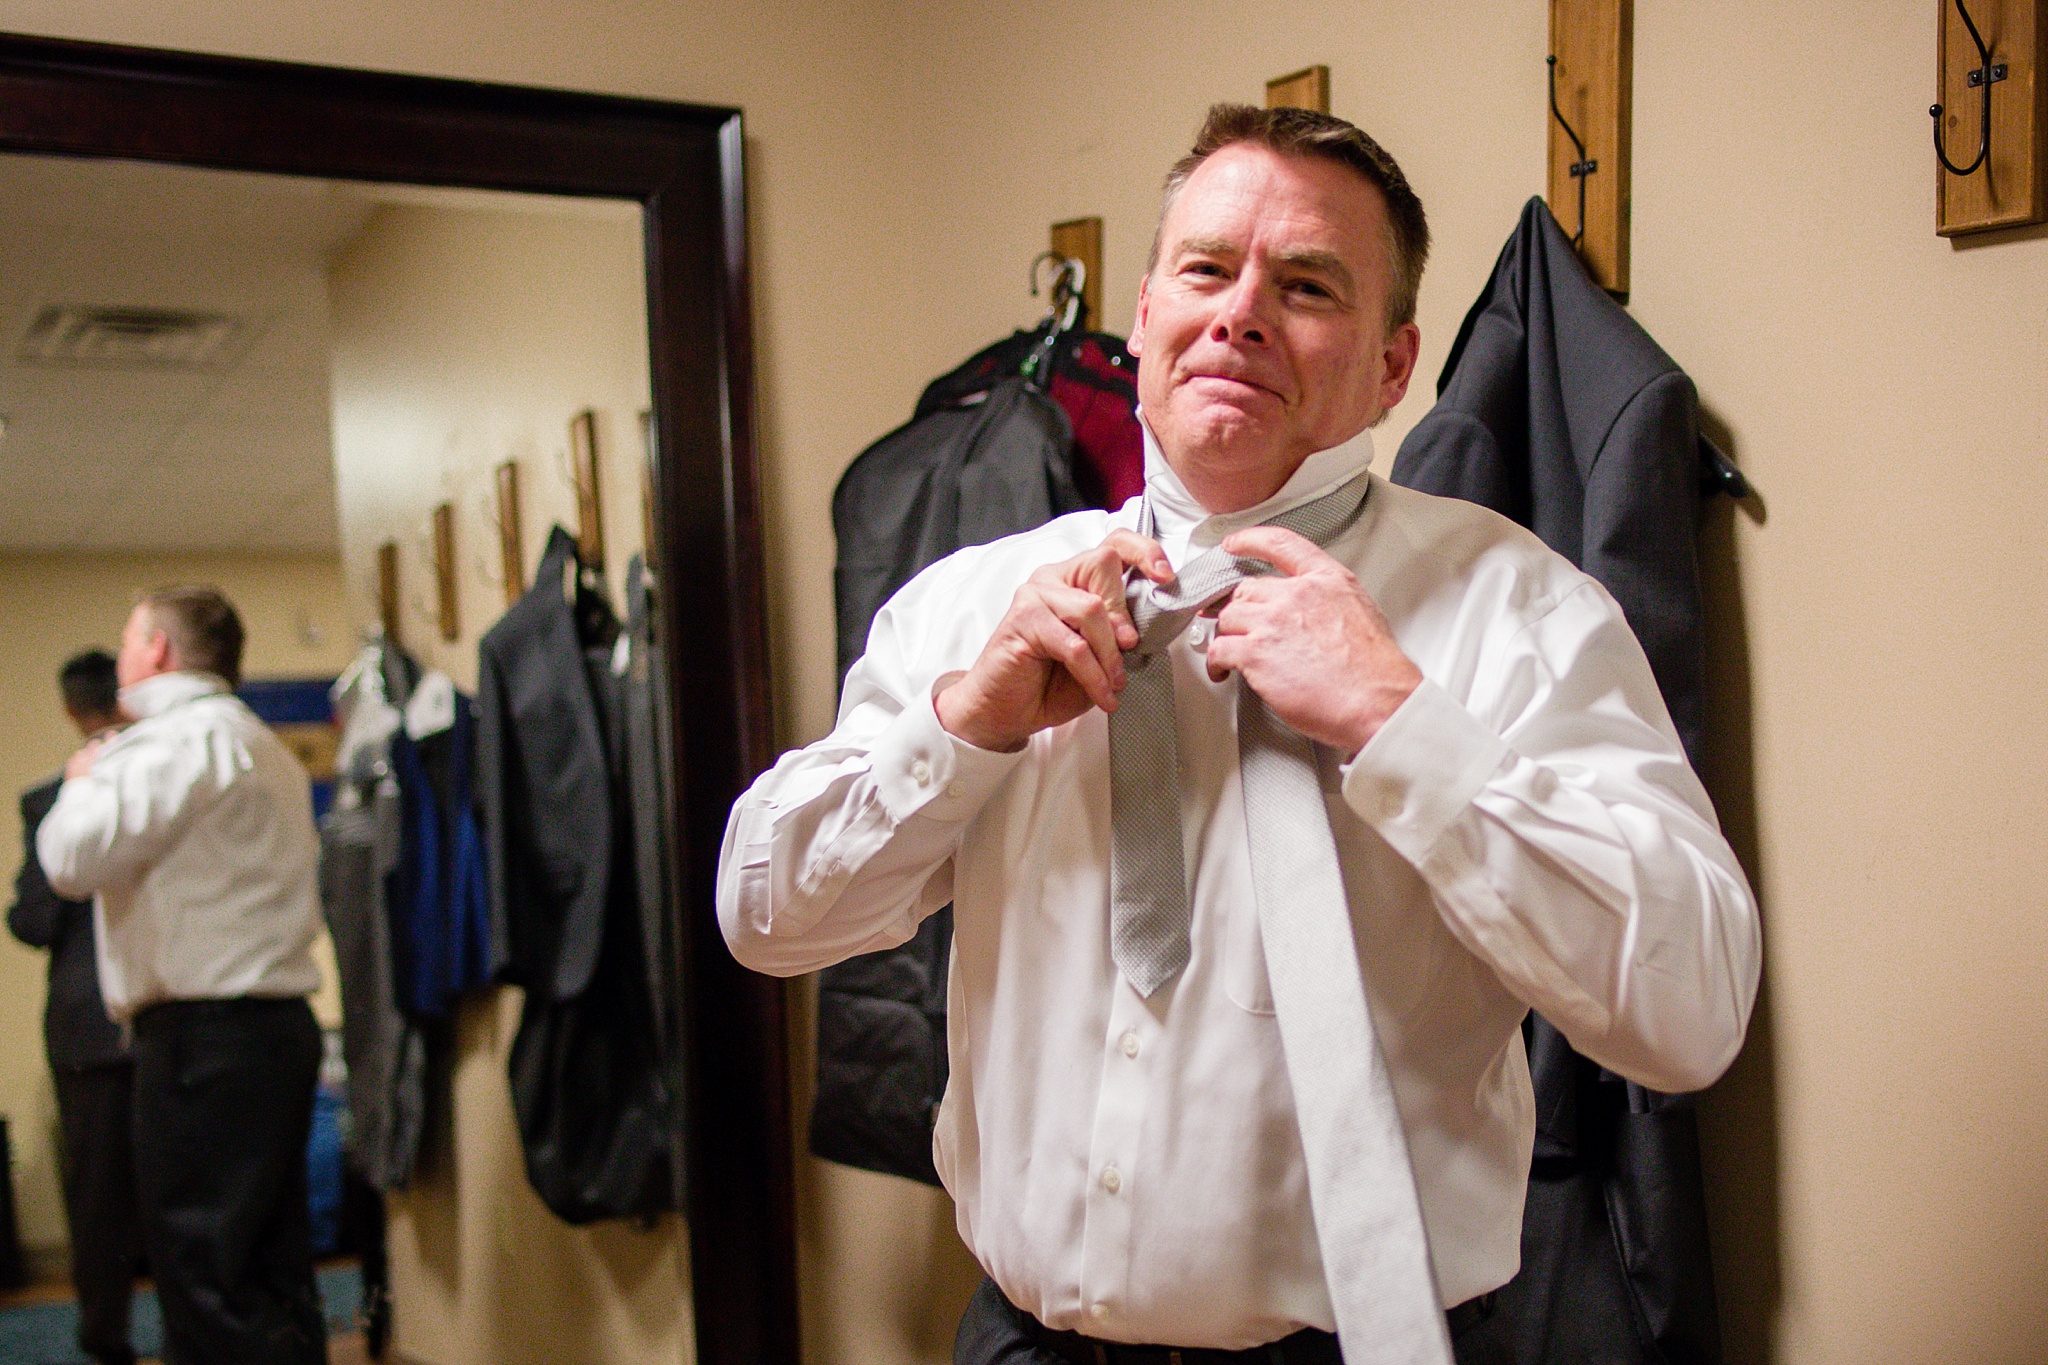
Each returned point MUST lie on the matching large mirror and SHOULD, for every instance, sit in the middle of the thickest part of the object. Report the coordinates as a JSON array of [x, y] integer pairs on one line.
[[349, 347]]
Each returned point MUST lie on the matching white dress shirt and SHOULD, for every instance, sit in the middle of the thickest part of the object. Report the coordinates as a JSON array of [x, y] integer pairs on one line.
[[193, 834], [1523, 831]]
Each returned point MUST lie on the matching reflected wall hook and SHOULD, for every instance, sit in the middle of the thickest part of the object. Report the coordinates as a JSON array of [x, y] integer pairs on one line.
[[1984, 77], [1582, 165]]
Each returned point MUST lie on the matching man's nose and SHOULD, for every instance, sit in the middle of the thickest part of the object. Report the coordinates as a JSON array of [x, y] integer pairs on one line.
[[1240, 316]]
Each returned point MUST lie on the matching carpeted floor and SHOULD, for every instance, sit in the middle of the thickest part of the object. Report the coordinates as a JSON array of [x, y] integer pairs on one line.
[[44, 1331]]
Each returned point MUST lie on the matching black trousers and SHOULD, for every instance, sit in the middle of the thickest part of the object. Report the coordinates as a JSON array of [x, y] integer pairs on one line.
[[223, 1108], [95, 1111], [996, 1332]]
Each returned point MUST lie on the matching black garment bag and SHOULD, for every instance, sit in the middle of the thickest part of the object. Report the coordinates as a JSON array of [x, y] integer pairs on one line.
[[959, 474]]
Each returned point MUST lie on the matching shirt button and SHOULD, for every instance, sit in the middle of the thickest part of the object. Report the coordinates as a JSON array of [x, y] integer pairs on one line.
[[921, 772], [1098, 1311], [1111, 1181], [1130, 1044]]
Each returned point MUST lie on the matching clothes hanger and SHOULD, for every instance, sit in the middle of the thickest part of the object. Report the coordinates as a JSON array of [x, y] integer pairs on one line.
[[1064, 316]]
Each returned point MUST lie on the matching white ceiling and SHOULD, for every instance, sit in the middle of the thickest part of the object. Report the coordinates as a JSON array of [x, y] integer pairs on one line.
[[237, 459]]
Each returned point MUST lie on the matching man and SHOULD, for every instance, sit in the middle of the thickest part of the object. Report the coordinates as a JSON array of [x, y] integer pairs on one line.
[[89, 1060], [1182, 1129], [193, 832]]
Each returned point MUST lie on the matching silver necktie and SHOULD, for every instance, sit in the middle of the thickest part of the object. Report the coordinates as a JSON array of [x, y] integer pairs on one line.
[[1367, 1215]]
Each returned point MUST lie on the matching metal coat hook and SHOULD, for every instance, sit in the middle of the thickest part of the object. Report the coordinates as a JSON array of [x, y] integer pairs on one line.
[[1582, 165], [1984, 77]]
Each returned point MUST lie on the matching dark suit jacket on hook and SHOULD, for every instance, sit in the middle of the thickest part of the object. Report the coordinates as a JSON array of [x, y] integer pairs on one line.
[[593, 1108], [1556, 408]]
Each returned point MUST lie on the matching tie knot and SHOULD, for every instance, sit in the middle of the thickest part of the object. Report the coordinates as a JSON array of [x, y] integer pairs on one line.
[[1161, 611]]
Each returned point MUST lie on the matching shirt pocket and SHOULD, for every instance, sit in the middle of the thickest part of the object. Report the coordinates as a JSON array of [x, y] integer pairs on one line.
[[1245, 982]]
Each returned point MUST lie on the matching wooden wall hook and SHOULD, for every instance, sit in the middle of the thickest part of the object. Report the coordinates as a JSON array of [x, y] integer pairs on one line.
[[511, 546], [583, 461]]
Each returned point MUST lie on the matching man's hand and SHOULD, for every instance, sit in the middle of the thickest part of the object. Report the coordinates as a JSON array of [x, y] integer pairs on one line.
[[1311, 642], [1058, 651], [81, 762]]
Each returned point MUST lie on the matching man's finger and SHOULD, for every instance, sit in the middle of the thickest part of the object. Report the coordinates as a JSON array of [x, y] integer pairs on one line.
[[1052, 637], [1085, 613], [1141, 553], [1221, 658], [1291, 554], [1101, 571]]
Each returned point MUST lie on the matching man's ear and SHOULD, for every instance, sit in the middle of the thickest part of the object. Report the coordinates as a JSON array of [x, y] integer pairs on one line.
[[1136, 344], [1403, 348]]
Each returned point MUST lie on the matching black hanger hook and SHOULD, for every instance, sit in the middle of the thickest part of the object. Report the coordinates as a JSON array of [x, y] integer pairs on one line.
[[1984, 77], [1582, 165], [1068, 277]]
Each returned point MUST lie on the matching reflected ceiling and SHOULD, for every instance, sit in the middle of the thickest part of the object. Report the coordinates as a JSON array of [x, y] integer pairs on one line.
[[214, 446]]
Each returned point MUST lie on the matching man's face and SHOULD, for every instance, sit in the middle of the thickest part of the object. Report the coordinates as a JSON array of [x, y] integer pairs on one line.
[[145, 651], [1262, 327]]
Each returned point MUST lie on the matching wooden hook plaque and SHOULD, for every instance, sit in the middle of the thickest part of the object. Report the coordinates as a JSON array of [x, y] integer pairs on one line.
[[387, 591], [445, 597], [511, 554], [589, 510], [1593, 42], [1308, 88]]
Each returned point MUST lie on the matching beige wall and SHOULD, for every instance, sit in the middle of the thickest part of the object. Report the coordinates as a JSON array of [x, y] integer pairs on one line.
[[463, 338], [55, 605], [1876, 1157]]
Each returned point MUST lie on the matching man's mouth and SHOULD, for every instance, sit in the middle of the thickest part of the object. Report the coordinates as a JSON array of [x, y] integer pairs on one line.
[[1238, 381]]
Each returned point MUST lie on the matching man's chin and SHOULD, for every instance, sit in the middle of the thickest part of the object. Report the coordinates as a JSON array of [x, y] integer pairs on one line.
[[1227, 434]]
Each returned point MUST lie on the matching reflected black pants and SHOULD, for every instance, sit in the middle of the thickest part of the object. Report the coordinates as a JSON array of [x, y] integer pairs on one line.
[[95, 1110], [223, 1108]]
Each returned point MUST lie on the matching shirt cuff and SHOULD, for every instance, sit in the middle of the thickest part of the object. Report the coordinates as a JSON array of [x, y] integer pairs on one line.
[[1420, 772], [919, 766]]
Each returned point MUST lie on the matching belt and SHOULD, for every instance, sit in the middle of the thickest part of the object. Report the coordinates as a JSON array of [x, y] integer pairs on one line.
[[1306, 1347]]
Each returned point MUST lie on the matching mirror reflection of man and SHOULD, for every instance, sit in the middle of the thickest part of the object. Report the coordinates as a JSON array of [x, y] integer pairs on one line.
[[1182, 1116], [193, 831], [89, 1060]]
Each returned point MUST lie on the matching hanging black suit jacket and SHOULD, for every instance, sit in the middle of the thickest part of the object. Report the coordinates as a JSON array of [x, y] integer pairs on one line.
[[592, 1104], [1556, 408]]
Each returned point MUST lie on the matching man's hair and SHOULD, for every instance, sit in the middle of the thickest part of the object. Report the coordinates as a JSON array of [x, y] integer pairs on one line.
[[1303, 132], [88, 684], [204, 631]]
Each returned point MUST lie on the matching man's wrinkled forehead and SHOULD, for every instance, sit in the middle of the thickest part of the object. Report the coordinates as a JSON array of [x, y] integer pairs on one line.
[[1221, 160]]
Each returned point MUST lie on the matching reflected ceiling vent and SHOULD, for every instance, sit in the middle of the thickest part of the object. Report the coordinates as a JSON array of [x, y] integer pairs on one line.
[[135, 338]]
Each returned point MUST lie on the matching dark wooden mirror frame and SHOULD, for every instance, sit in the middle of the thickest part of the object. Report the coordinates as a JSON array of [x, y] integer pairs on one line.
[[682, 164]]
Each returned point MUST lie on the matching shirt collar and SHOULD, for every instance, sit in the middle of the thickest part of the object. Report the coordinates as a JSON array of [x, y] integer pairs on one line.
[[1184, 525], [154, 696]]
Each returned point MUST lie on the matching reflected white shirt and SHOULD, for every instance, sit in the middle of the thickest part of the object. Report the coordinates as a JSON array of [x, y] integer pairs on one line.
[[193, 834], [1523, 831]]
